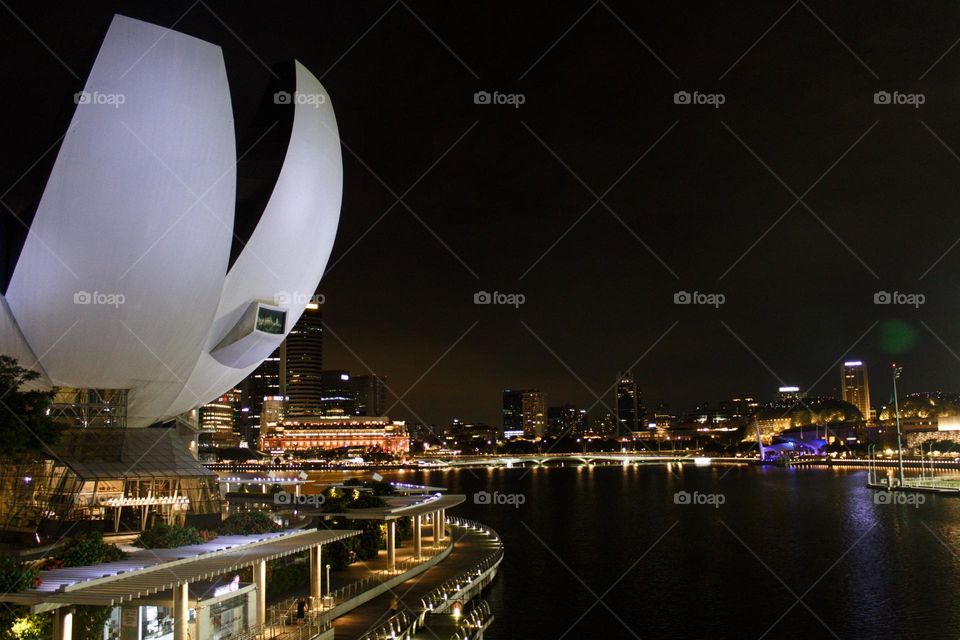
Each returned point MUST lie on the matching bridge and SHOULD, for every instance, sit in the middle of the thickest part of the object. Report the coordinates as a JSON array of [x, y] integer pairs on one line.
[[542, 459]]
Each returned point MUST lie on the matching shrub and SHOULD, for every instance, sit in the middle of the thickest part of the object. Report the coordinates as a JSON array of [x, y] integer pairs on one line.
[[86, 549], [168, 536], [248, 523]]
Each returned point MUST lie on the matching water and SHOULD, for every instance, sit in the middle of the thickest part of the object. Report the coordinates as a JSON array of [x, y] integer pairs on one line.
[[665, 570]]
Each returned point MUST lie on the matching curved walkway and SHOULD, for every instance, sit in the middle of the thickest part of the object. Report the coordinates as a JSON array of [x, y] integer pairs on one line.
[[469, 548]]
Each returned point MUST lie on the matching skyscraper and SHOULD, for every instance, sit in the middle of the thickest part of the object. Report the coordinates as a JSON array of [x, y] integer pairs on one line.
[[566, 420], [303, 360], [336, 396], [263, 382], [370, 395], [628, 404], [855, 387], [512, 413], [534, 414]]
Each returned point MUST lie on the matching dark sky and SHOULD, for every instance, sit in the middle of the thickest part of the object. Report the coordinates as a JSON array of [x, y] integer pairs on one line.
[[499, 211]]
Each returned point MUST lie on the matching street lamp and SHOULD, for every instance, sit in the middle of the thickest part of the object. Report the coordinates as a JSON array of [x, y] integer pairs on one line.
[[896, 412]]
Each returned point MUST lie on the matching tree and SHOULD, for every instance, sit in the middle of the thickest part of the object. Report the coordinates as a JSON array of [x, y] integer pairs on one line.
[[26, 429]]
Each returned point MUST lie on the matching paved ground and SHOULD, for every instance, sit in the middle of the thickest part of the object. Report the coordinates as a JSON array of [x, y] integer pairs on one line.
[[469, 548]]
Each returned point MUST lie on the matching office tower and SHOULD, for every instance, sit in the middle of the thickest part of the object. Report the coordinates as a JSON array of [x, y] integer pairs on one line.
[[512, 413], [628, 405], [303, 362], [855, 386], [370, 395], [336, 393], [534, 414], [264, 381], [566, 420]]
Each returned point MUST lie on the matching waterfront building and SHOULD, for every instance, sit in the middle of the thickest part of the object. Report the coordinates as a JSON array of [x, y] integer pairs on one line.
[[566, 420], [512, 414], [309, 433], [217, 421], [855, 386]]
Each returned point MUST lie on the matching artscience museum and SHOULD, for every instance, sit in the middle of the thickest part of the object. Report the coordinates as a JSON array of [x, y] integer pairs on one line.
[[125, 284]]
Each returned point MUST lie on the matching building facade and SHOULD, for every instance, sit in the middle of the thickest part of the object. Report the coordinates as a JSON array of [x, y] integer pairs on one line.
[[302, 362], [318, 433], [628, 405], [855, 387]]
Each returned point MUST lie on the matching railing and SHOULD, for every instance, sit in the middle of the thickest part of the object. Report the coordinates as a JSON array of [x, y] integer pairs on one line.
[[280, 627], [401, 625], [472, 624], [471, 580]]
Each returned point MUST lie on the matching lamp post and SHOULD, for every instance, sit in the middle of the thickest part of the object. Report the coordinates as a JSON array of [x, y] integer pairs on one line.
[[896, 412]]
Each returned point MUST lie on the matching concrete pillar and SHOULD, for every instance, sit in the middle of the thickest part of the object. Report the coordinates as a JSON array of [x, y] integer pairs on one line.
[[315, 569], [436, 528], [296, 489], [391, 544], [417, 536], [443, 524], [181, 605], [260, 580], [63, 624]]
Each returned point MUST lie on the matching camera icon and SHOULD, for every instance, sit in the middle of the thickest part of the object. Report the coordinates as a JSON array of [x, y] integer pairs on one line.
[[482, 97], [882, 297], [682, 97], [282, 497], [81, 97], [82, 297], [883, 497], [482, 497], [282, 97], [682, 497], [283, 298], [682, 297], [482, 297], [881, 97]]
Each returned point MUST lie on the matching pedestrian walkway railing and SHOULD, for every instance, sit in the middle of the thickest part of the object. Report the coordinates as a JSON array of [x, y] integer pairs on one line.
[[283, 626], [401, 625], [469, 583], [473, 624]]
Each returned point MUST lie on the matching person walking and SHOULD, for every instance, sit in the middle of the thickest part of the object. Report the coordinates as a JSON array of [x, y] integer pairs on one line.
[[301, 611]]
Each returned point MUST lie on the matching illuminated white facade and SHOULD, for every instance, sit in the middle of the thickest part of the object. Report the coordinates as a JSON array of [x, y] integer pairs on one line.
[[123, 280]]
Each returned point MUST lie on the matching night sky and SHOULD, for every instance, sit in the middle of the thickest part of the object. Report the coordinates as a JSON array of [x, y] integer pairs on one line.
[[504, 198]]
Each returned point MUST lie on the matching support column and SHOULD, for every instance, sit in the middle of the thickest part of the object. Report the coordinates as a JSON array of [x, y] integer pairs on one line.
[[315, 569], [260, 580], [443, 524], [63, 624], [417, 536], [436, 528], [391, 544], [181, 604]]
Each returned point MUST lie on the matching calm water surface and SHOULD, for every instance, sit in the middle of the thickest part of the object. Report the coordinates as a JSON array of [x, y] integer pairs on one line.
[[666, 570]]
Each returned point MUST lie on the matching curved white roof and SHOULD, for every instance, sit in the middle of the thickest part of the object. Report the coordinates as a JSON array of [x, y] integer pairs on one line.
[[122, 282]]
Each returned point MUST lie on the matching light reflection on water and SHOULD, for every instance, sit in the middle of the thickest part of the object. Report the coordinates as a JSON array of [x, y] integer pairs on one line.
[[865, 570]]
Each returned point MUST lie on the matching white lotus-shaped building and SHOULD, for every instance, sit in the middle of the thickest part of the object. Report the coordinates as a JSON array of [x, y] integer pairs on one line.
[[124, 280]]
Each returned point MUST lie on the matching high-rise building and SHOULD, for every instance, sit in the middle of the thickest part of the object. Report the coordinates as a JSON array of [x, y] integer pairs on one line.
[[217, 421], [628, 404], [336, 395], [523, 413], [303, 363], [370, 395], [534, 414], [789, 394], [855, 386], [566, 420], [264, 381], [512, 413]]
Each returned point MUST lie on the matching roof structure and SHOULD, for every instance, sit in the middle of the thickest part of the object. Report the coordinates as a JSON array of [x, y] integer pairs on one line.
[[102, 454], [150, 571]]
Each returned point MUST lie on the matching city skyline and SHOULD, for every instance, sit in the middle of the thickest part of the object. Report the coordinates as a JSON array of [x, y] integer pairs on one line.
[[500, 194]]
